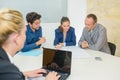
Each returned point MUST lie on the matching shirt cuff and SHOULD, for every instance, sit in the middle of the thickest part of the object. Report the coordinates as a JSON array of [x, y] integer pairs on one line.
[[64, 44]]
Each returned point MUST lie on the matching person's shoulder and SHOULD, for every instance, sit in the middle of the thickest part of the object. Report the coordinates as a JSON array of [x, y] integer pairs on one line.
[[5, 64], [40, 28], [28, 28], [100, 26], [71, 28], [57, 30], [9, 70], [84, 29]]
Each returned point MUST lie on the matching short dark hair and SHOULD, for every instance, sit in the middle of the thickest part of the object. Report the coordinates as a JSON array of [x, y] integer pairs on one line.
[[32, 16], [93, 16]]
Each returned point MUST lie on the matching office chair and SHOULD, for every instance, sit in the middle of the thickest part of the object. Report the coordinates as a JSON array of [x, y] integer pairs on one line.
[[112, 47]]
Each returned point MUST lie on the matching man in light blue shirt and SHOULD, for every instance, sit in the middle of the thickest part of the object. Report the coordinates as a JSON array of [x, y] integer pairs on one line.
[[34, 37]]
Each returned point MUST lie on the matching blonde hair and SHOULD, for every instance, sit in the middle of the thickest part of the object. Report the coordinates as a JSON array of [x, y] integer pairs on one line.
[[11, 21]]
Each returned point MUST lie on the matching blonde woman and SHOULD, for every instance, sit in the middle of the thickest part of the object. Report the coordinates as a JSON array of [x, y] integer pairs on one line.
[[12, 38]]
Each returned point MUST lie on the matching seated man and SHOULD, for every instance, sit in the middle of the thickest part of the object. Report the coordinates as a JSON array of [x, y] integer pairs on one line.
[[94, 35], [34, 37]]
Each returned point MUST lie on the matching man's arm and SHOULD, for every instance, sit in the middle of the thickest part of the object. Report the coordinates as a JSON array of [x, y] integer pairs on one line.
[[81, 39], [101, 40], [28, 47]]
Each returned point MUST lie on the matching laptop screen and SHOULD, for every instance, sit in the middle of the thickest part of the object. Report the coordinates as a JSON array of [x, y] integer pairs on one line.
[[58, 60]]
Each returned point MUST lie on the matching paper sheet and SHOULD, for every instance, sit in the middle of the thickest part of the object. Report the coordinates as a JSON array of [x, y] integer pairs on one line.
[[35, 52]]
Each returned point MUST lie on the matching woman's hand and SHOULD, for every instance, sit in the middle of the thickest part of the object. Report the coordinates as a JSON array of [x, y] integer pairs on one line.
[[52, 76], [34, 73], [59, 46]]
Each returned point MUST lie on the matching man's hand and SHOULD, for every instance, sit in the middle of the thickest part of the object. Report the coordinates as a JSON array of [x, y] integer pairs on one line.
[[42, 40], [85, 44]]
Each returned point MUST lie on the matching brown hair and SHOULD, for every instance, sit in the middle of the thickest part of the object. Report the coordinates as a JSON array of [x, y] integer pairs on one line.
[[93, 16], [32, 16], [11, 21], [63, 19]]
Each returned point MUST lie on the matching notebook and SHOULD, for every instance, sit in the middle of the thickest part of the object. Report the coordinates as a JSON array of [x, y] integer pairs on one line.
[[57, 60]]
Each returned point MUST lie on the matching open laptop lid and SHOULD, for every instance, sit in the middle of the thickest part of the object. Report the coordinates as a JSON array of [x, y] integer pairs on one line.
[[58, 60]]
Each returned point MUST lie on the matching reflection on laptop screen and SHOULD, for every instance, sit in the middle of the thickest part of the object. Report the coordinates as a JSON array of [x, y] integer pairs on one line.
[[57, 60]]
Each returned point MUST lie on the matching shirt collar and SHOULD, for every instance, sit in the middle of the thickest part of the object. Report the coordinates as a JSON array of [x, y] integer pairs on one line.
[[10, 57], [29, 29]]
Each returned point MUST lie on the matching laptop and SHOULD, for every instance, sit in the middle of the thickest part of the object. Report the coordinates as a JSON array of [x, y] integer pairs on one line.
[[57, 60]]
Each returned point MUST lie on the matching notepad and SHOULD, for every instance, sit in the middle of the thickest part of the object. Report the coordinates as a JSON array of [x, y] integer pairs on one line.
[[35, 52]]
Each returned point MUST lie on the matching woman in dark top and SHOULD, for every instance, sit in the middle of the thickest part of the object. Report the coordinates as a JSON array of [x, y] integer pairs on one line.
[[65, 34], [12, 38]]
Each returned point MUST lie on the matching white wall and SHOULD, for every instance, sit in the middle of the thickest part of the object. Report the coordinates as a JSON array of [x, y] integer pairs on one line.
[[76, 13], [48, 31], [47, 8]]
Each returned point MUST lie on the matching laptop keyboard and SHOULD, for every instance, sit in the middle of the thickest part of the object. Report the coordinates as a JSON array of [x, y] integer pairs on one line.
[[63, 76]]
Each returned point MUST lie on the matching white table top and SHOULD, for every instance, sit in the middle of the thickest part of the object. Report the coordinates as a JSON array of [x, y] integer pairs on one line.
[[82, 68]]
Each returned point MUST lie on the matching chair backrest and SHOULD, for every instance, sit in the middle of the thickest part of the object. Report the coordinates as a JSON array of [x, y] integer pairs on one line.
[[112, 47]]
